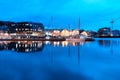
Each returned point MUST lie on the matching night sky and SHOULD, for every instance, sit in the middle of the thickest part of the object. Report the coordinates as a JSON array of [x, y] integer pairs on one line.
[[93, 13]]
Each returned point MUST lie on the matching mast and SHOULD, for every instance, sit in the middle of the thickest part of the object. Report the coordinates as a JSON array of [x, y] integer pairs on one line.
[[79, 43], [79, 23], [52, 55], [51, 25], [51, 22]]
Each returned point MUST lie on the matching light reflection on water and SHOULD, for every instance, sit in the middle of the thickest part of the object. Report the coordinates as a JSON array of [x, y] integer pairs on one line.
[[97, 60], [33, 46]]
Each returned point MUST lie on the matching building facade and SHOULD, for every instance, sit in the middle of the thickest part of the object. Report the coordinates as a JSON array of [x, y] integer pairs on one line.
[[23, 29], [104, 32]]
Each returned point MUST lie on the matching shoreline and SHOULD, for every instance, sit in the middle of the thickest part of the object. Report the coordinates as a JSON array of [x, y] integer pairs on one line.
[[108, 37], [53, 39], [63, 39]]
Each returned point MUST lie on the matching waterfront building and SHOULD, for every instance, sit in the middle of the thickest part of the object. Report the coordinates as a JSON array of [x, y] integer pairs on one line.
[[47, 33], [104, 32], [3, 29], [56, 33], [65, 33], [22, 29], [26, 30], [91, 33], [84, 33], [75, 32], [115, 32]]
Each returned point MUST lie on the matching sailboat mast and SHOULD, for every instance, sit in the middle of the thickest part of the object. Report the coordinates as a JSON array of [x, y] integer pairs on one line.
[[79, 45], [51, 21], [79, 23]]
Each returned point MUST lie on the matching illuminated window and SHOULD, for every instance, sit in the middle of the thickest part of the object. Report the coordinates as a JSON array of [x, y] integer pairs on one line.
[[26, 45], [26, 24], [26, 29], [30, 24], [39, 29], [12, 24]]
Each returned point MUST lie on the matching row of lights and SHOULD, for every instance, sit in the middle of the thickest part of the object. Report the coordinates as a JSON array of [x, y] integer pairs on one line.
[[26, 29], [24, 25]]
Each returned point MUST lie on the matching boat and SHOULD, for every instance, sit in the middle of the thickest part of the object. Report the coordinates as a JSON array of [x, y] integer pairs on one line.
[[89, 39], [81, 38]]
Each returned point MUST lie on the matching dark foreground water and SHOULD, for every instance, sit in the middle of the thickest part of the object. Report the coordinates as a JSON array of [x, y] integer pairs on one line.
[[98, 60]]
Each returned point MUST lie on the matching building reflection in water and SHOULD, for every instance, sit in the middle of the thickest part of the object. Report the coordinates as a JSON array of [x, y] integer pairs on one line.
[[63, 43], [111, 44], [108, 43], [33, 46], [68, 44], [22, 46], [104, 43]]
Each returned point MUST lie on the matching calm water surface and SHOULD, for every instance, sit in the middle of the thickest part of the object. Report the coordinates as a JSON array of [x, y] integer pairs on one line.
[[97, 60]]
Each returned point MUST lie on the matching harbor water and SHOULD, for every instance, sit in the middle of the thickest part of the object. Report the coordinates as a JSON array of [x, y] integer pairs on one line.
[[37, 60]]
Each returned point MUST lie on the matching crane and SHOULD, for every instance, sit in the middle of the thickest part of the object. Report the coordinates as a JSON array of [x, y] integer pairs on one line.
[[113, 21], [112, 24]]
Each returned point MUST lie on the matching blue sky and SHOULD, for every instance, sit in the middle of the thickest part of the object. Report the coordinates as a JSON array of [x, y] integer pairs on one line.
[[94, 13]]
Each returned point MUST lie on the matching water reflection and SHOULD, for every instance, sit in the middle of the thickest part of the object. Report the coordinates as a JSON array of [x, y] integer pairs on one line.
[[64, 43], [33, 46], [22, 46], [105, 43], [108, 43], [62, 61]]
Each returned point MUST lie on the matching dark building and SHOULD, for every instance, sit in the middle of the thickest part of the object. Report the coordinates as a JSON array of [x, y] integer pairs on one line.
[[23, 29], [115, 32], [25, 26], [92, 33], [3, 27], [2, 23], [103, 32], [80, 31]]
